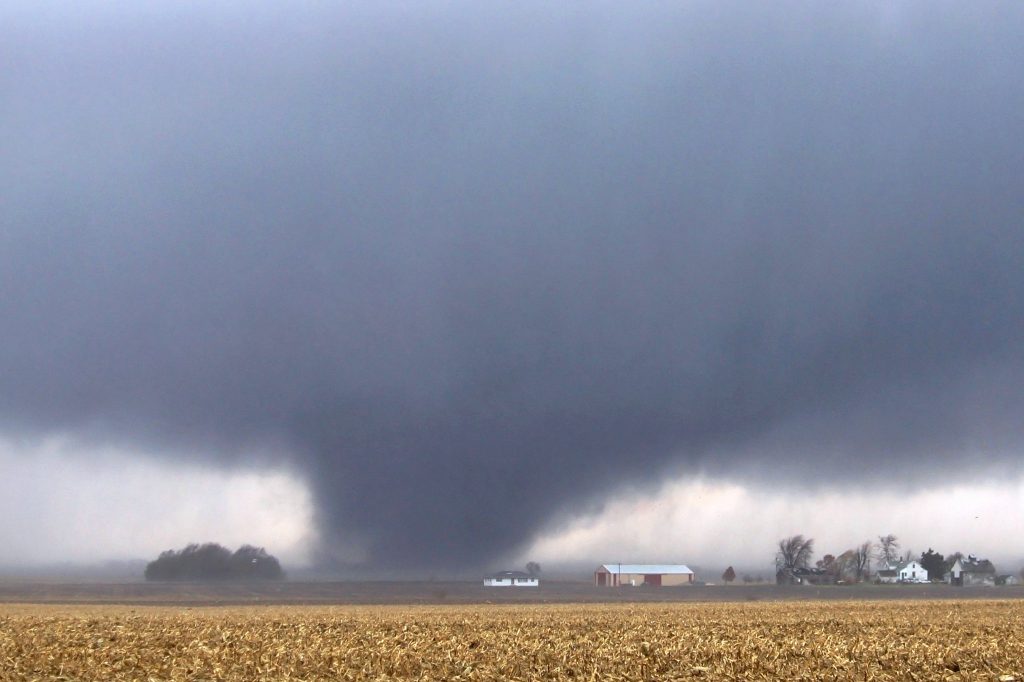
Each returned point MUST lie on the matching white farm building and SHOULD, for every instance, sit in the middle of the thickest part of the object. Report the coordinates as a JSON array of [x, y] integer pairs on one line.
[[511, 579], [636, 575], [912, 572]]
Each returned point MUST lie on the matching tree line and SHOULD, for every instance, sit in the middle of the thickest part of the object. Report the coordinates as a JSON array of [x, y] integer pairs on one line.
[[211, 561], [794, 554]]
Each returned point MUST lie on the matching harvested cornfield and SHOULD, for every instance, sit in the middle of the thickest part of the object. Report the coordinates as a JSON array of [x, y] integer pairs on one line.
[[889, 640]]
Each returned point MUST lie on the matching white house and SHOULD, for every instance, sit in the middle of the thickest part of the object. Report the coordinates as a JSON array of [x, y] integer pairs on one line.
[[912, 572], [652, 575], [972, 571], [511, 579]]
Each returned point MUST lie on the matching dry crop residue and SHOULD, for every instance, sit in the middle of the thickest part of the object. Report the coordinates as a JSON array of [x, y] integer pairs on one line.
[[889, 640]]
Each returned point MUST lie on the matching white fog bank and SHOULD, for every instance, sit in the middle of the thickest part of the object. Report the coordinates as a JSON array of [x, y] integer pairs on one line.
[[65, 503], [715, 524]]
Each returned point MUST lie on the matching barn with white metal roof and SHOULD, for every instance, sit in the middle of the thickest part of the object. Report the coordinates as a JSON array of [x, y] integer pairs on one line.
[[653, 575]]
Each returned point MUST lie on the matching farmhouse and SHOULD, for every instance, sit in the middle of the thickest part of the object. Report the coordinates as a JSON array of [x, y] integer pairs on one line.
[[912, 572], [511, 579], [654, 575]]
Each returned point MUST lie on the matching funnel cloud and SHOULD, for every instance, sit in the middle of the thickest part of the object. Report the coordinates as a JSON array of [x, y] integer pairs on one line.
[[468, 270]]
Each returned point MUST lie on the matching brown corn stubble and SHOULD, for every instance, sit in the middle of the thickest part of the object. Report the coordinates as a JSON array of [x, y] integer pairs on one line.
[[890, 640]]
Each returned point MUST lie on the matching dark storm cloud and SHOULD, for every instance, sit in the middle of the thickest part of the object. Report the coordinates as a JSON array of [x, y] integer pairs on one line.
[[474, 267]]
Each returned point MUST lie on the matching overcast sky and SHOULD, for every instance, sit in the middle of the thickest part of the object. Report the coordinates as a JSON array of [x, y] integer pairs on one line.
[[452, 277]]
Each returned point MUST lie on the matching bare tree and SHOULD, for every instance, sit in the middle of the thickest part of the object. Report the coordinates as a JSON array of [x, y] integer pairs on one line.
[[887, 550], [533, 568], [794, 552], [855, 564], [862, 560], [846, 565]]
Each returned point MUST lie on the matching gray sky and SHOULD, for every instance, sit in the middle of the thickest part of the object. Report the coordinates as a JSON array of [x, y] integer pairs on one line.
[[469, 272]]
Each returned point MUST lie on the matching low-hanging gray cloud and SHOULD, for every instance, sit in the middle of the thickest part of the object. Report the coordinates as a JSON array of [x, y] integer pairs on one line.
[[473, 267]]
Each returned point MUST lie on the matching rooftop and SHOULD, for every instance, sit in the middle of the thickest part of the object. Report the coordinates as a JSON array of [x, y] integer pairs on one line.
[[978, 566], [510, 574]]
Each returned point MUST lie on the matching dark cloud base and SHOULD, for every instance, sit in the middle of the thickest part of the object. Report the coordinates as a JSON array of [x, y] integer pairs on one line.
[[474, 269]]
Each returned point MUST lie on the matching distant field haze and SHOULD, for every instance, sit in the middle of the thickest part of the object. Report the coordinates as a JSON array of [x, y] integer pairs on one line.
[[69, 516], [444, 287]]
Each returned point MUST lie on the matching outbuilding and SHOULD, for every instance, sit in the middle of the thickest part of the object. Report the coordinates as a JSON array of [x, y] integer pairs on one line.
[[887, 575], [972, 571], [511, 579], [636, 575]]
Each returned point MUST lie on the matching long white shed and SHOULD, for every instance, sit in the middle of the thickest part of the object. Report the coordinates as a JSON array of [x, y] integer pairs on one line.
[[654, 575], [511, 579]]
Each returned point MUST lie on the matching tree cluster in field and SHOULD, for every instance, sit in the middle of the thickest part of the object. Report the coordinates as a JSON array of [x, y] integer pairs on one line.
[[212, 561], [793, 560]]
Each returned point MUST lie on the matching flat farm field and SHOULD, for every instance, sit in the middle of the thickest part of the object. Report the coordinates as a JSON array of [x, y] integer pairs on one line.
[[808, 640]]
